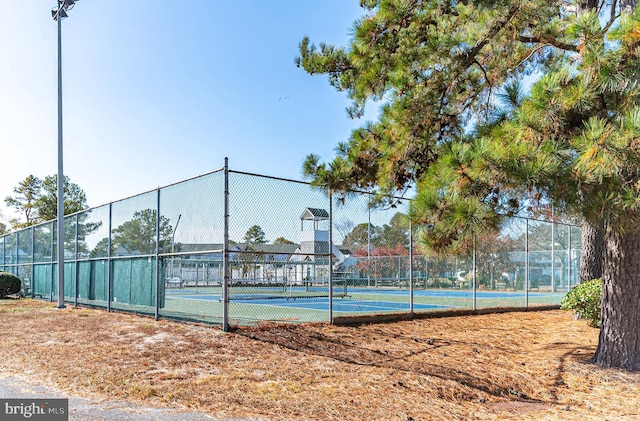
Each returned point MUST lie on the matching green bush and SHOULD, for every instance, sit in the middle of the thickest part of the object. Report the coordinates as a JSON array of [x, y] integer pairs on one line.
[[9, 284], [585, 300]]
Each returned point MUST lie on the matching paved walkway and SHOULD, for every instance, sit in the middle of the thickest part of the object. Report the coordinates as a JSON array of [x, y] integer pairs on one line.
[[87, 410]]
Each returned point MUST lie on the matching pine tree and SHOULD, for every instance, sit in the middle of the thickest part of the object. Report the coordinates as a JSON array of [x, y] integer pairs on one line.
[[254, 235], [25, 200], [37, 200], [436, 64], [437, 67], [75, 199]]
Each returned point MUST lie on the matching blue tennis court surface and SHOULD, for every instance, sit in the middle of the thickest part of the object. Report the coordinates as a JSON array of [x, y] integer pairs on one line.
[[339, 304], [373, 303], [443, 293], [376, 291], [346, 305]]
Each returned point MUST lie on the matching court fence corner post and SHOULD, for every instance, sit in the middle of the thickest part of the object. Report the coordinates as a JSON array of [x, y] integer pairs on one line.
[[157, 252], [76, 279], [225, 251], [109, 260]]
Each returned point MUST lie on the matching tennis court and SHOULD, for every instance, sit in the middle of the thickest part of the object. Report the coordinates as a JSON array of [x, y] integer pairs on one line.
[[322, 303], [287, 302]]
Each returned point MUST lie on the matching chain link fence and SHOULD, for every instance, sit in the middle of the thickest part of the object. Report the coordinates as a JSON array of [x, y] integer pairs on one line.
[[233, 248]]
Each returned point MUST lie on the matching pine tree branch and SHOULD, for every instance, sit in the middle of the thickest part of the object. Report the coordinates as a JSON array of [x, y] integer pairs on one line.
[[612, 16], [548, 41], [486, 76], [499, 24]]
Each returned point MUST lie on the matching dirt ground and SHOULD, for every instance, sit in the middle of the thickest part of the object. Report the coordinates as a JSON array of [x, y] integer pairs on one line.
[[525, 365]]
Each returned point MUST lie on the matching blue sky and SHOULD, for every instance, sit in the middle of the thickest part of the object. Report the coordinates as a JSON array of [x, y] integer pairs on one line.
[[156, 91]]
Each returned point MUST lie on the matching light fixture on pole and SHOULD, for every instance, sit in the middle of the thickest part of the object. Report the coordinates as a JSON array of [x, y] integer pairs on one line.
[[58, 14]]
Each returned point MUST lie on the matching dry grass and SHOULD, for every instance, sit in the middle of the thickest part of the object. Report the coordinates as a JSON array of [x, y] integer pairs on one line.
[[530, 365]]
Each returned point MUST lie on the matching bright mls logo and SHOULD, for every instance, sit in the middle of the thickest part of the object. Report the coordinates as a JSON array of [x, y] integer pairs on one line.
[[34, 409]]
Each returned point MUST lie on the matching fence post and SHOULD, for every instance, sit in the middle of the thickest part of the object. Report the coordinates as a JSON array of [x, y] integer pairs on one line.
[[76, 292], [473, 276], [526, 265], [157, 297], [369, 243], [411, 269], [225, 251], [331, 256], [53, 243], [553, 252], [17, 263], [33, 260], [109, 245], [569, 259]]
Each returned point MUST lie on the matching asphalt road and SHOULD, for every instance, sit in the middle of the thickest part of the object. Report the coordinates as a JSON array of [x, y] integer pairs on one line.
[[81, 409]]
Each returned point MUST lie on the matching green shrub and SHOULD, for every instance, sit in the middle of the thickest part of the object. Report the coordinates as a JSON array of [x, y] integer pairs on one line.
[[585, 300], [9, 284]]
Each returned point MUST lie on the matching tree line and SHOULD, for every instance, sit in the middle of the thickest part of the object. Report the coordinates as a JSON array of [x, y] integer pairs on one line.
[[35, 200]]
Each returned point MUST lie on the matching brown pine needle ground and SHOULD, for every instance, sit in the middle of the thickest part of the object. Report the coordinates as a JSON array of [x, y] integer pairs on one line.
[[528, 365]]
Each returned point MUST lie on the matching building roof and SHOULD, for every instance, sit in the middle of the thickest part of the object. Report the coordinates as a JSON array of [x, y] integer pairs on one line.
[[315, 214]]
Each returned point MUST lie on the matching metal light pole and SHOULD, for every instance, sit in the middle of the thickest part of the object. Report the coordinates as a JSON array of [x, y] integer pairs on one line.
[[58, 14]]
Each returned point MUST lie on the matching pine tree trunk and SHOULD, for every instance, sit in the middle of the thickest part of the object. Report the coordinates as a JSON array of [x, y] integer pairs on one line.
[[592, 251], [619, 343]]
